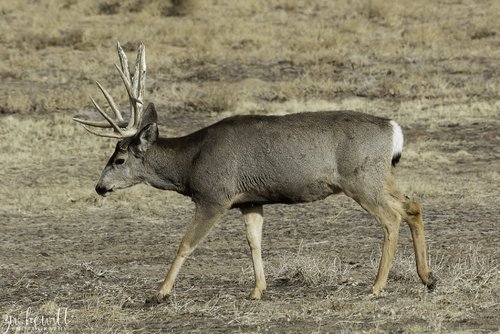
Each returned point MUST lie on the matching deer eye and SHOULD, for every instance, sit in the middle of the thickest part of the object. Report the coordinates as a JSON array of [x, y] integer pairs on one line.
[[119, 161]]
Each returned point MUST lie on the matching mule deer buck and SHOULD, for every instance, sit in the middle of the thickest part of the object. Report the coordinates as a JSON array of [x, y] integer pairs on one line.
[[245, 162]]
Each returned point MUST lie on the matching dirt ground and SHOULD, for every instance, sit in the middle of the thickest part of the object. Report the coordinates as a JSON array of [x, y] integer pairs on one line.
[[73, 262]]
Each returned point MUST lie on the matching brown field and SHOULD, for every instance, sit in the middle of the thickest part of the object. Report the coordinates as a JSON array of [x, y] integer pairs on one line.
[[434, 66]]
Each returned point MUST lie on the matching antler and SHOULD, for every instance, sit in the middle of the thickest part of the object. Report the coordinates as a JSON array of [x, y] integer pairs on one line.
[[135, 85]]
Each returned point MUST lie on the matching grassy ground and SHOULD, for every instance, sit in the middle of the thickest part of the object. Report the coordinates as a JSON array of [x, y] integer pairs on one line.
[[433, 66]]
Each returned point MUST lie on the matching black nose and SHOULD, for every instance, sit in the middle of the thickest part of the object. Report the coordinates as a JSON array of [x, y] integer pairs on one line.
[[100, 190]]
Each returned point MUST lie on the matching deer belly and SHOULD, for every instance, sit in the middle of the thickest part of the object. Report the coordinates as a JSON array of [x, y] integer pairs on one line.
[[286, 193]]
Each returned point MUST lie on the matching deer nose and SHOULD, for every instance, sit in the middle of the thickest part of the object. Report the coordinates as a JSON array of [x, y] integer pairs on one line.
[[101, 190]]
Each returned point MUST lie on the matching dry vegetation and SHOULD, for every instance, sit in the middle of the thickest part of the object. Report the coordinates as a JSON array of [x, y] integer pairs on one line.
[[432, 65]]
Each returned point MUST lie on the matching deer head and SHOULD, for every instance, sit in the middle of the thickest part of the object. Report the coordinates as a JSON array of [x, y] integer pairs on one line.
[[126, 166]]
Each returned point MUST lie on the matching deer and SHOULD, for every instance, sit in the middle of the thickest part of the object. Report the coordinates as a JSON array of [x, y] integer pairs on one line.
[[247, 161]]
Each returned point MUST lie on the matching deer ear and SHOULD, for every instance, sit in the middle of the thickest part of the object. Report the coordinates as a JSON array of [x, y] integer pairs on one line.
[[146, 138], [149, 116]]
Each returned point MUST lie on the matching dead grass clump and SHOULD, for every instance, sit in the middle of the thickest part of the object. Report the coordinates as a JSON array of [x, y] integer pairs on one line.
[[155, 7], [72, 38], [466, 270], [18, 102], [471, 272], [218, 101], [375, 10], [483, 33], [207, 99], [177, 8], [309, 87], [106, 8], [311, 270]]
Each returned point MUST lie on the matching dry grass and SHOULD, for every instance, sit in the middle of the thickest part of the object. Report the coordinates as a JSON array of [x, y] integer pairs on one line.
[[304, 51], [431, 65]]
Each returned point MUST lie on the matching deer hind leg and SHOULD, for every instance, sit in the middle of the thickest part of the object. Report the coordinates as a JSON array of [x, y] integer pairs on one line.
[[253, 217], [390, 221], [412, 214], [205, 218]]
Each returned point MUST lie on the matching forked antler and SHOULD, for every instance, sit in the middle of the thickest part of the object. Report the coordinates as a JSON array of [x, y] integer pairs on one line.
[[135, 85]]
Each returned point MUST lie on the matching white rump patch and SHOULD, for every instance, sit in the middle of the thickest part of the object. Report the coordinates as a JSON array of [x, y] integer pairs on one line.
[[397, 139]]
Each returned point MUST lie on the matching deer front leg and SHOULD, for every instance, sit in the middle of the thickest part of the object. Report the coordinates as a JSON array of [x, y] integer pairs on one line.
[[205, 218], [253, 220]]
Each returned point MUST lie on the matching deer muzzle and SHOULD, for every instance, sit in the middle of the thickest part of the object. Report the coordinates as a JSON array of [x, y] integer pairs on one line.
[[102, 190]]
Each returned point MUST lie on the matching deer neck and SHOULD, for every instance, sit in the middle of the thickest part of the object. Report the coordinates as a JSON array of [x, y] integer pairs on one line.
[[168, 163]]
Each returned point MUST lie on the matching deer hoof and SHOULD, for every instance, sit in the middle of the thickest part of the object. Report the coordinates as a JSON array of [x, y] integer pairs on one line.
[[431, 282], [156, 299], [256, 294], [376, 290]]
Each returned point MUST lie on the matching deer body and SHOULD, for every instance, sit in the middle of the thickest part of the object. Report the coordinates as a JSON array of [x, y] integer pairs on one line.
[[255, 160], [246, 162]]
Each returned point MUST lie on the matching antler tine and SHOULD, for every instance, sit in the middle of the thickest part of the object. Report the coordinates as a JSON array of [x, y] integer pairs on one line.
[[97, 124], [139, 83], [126, 82], [125, 75], [101, 124], [142, 79], [109, 119], [111, 102], [139, 70], [123, 61], [135, 101], [102, 134]]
